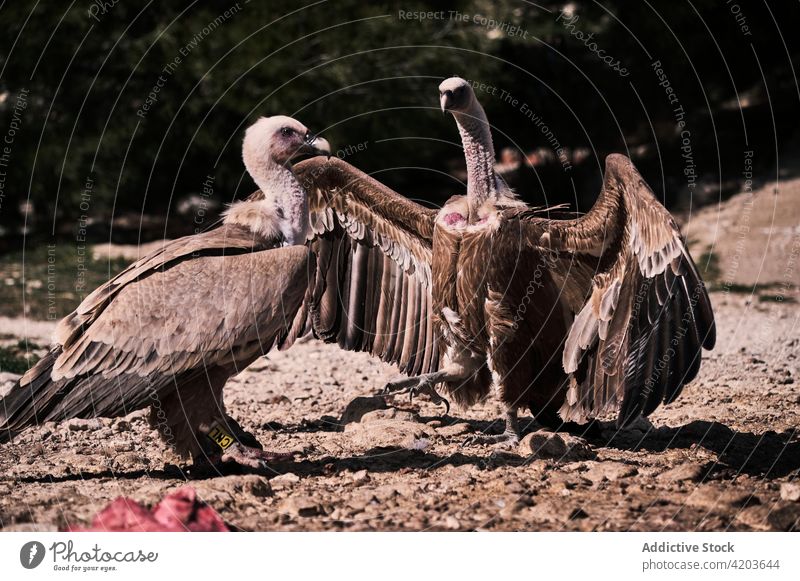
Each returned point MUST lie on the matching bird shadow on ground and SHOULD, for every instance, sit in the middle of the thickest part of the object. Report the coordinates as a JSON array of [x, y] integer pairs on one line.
[[767, 455], [167, 474]]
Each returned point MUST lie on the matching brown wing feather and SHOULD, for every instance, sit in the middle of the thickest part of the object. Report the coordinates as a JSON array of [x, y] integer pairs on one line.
[[636, 341], [225, 240], [202, 312], [372, 290]]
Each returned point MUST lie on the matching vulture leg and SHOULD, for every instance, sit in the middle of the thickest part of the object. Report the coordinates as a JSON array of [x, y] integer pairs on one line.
[[226, 441], [422, 384], [509, 437]]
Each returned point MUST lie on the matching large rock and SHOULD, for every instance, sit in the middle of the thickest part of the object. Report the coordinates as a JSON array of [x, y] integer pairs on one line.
[[360, 406], [562, 447], [387, 433]]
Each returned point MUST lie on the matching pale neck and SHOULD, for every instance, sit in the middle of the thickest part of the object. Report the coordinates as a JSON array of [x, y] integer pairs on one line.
[[281, 186], [479, 153]]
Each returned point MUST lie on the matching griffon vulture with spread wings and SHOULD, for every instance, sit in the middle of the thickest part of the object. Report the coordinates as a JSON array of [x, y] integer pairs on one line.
[[605, 313]]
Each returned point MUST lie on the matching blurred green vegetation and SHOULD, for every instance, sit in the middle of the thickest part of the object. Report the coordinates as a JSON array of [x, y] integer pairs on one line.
[[47, 282], [90, 143], [18, 357]]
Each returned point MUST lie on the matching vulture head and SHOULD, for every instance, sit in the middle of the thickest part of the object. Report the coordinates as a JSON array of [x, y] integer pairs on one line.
[[279, 139], [455, 95]]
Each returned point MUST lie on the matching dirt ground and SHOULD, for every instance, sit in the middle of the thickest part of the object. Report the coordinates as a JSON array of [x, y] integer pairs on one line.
[[725, 456]]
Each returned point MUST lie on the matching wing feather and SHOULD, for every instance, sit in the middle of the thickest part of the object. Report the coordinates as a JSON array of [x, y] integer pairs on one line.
[[372, 289], [637, 339]]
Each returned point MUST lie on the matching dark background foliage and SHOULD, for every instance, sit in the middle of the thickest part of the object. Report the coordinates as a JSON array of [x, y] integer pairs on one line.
[[358, 72]]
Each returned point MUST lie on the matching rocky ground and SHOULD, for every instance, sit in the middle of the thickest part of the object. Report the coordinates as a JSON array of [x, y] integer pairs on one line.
[[726, 455]]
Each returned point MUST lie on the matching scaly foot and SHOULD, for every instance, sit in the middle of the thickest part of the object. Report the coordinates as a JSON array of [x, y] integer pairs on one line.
[[421, 384], [505, 440], [508, 439]]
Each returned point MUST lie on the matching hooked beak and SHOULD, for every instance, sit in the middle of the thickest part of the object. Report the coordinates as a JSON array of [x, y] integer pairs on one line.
[[446, 100], [313, 145]]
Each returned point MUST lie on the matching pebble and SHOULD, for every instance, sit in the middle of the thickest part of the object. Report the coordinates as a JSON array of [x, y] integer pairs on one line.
[[609, 471], [300, 506], [452, 523], [455, 430], [790, 491], [78, 425], [284, 480], [361, 476], [682, 473]]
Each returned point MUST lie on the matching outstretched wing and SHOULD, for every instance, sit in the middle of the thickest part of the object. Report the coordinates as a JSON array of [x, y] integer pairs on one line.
[[637, 339], [372, 290]]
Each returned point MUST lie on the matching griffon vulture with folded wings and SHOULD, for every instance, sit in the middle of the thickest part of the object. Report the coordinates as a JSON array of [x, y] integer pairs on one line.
[[169, 330]]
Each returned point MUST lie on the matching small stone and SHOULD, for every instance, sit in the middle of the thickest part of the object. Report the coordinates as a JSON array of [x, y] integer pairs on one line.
[[790, 491], [685, 472], [300, 506], [122, 426], [452, 523], [78, 425], [284, 480], [361, 476], [256, 485], [7, 382], [514, 505], [455, 430], [609, 471]]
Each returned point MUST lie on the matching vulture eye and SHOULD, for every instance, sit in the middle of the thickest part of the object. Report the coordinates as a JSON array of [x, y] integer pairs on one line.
[[286, 131]]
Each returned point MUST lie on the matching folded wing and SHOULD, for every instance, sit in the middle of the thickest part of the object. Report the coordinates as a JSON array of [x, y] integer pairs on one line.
[[203, 302]]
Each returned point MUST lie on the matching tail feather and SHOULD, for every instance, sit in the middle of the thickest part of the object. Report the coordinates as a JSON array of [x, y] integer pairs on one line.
[[30, 399]]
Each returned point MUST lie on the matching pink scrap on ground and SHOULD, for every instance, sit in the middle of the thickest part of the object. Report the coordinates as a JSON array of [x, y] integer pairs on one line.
[[453, 218], [177, 512]]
